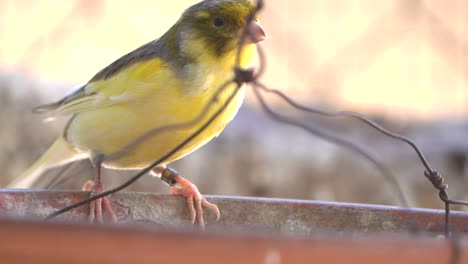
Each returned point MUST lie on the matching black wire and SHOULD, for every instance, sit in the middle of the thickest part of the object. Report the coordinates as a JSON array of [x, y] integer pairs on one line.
[[157, 130], [355, 115], [241, 77], [316, 131], [434, 176], [154, 164]]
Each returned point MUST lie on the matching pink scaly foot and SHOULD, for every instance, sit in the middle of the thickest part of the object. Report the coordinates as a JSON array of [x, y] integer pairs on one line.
[[96, 206], [195, 201]]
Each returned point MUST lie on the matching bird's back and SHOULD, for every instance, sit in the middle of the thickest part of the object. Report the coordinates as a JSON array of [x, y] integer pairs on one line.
[[151, 95]]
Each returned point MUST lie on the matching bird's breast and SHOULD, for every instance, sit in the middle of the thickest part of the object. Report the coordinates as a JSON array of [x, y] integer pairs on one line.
[[110, 129]]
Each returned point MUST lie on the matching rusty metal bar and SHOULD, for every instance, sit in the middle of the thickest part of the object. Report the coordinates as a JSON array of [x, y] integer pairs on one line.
[[49, 243], [291, 216], [155, 229]]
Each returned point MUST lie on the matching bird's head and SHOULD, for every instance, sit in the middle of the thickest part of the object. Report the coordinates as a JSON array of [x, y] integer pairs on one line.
[[215, 26]]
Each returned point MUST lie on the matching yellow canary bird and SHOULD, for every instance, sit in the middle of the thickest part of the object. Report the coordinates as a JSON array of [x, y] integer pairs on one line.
[[164, 82]]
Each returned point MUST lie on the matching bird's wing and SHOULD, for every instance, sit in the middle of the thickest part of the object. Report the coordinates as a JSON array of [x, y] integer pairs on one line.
[[132, 83]]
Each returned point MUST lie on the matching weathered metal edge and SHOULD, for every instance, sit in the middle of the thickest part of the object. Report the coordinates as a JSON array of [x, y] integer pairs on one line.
[[238, 213]]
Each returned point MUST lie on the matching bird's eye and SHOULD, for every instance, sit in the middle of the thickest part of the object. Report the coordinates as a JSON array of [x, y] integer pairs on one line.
[[218, 22]]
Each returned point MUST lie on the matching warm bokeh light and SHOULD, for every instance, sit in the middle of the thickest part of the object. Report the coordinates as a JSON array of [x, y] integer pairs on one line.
[[71, 40], [401, 58], [404, 63]]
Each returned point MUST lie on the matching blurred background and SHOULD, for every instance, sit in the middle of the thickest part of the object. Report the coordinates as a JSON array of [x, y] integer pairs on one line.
[[403, 63]]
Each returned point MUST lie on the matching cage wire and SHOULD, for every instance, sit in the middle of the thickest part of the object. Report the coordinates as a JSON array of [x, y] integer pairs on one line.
[[253, 78]]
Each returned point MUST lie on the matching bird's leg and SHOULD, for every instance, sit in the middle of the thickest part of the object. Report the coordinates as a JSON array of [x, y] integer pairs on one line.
[[96, 206], [181, 186]]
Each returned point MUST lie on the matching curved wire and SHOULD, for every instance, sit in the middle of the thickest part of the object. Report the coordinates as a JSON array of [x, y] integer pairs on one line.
[[154, 164], [358, 116], [337, 140]]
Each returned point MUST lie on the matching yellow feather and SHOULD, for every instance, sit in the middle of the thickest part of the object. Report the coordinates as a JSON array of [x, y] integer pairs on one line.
[[157, 98], [61, 152], [165, 82]]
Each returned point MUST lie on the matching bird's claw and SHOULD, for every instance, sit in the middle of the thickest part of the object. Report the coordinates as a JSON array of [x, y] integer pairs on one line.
[[96, 206], [195, 201]]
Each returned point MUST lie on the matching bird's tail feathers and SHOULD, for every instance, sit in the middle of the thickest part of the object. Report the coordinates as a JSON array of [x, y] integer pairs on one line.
[[60, 153]]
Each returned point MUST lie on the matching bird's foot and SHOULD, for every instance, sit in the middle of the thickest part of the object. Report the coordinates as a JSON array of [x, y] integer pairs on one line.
[[96, 206], [195, 201]]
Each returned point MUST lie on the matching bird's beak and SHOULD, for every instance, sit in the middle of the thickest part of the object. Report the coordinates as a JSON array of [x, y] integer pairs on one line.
[[255, 33]]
